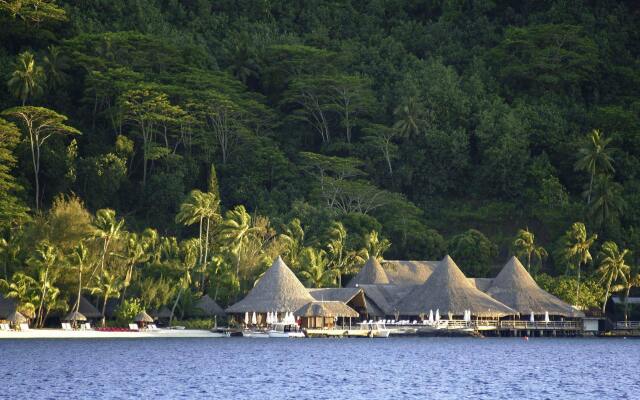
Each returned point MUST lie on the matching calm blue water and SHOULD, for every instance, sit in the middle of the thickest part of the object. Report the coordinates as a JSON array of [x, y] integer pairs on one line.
[[241, 368]]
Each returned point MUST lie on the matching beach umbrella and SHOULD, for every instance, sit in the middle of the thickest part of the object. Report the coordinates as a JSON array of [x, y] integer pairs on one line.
[[532, 318], [437, 315], [269, 318], [546, 316], [246, 318], [75, 316], [431, 316], [16, 318], [254, 319], [143, 317]]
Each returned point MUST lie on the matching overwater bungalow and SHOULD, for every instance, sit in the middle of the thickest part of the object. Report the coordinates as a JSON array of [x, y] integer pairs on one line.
[[515, 288], [451, 293], [324, 314], [278, 290], [354, 297]]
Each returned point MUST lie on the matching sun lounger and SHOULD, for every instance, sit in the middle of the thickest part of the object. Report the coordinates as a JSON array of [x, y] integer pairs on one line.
[[5, 327], [133, 327], [24, 327], [66, 326], [152, 327]]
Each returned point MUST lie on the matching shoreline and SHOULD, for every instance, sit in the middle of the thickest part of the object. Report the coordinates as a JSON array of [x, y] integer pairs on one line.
[[91, 334]]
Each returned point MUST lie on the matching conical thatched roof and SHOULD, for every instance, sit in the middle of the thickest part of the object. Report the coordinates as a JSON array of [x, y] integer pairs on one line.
[[87, 309], [143, 317], [74, 316], [371, 273], [7, 306], [516, 288], [449, 291], [207, 307], [164, 313], [278, 290], [326, 309]]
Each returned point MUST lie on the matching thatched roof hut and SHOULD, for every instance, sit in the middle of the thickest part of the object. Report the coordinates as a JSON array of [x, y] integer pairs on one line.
[[371, 273], [449, 291], [164, 313], [74, 316], [277, 290], [326, 309], [16, 318], [353, 297], [143, 317], [87, 309], [515, 287], [384, 297], [401, 272], [482, 284], [207, 307]]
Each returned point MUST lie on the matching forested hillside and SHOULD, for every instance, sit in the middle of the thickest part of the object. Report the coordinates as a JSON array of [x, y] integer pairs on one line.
[[164, 136]]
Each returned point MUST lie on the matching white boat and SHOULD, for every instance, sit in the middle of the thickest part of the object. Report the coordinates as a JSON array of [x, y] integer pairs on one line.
[[376, 329], [255, 334], [282, 330]]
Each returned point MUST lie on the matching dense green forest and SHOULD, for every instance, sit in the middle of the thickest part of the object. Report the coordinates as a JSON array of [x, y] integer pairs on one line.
[[154, 150]]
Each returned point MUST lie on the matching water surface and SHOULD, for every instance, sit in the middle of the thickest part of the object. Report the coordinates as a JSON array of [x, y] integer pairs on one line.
[[427, 368]]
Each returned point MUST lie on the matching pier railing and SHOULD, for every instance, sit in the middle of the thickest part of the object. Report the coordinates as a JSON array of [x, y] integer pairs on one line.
[[541, 325], [628, 325]]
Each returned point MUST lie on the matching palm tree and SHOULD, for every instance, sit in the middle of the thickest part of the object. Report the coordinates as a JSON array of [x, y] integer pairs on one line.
[[524, 244], [631, 280], [108, 286], [236, 232], [608, 201], [135, 252], [44, 259], [293, 240], [79, 260], [376, 247], [27, 79], [54, 64], [577, 246], [316, 272], [22, 289], [408, 117], [595, 158], [200, 207], [108, 229], [613, 267], [188, 250], [341, 261]]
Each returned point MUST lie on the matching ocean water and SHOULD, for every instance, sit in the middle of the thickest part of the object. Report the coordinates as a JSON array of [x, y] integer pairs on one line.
[[394, 368]]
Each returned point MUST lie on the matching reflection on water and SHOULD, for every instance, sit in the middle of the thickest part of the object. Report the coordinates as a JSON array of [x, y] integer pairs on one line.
[[448, 368]]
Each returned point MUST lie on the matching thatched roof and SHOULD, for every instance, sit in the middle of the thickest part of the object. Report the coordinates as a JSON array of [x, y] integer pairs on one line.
[[371, 273], [277, 290], [482, 284], [163, 313], [402, 272], [516, 288], [87, 309], [449, 291], [326, 309], [386, 296], [143, 317], [74, 316], [16, 318], [344, 295], [207, 307], [7, 306]]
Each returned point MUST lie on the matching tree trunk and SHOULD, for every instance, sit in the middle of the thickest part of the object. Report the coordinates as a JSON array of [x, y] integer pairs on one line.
[[206, 255], [606, 296], [626, 303], [175, 304], [104, 309], [590, 188], [578, 288], [76, 308]]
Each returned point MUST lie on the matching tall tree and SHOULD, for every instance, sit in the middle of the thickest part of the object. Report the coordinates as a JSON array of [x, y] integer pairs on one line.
[[630, 281], [612, 269], [39, 124], [577, 244], [595, 158], [524, 244], [608, 202], [316, 271], [108, 285], [27, 79], [12, 211]]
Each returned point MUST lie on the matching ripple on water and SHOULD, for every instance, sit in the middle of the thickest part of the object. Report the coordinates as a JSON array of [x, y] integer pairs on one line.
[[443, 368]]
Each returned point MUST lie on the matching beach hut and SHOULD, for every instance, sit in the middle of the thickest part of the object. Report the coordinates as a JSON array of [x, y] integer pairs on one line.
[[450, 292], [323, 314], [16, 319], [278, 290], [88, 310], [74, 317], [7, 306], [143, 319], [207, 307], [164, 314], [515, 288], [353, 297], [371, 273]]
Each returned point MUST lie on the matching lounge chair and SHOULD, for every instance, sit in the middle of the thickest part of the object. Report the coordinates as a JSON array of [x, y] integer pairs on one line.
[[66, 326], [5, 327], [24, 327], [133, 327], [152, 327], [85, 327]]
